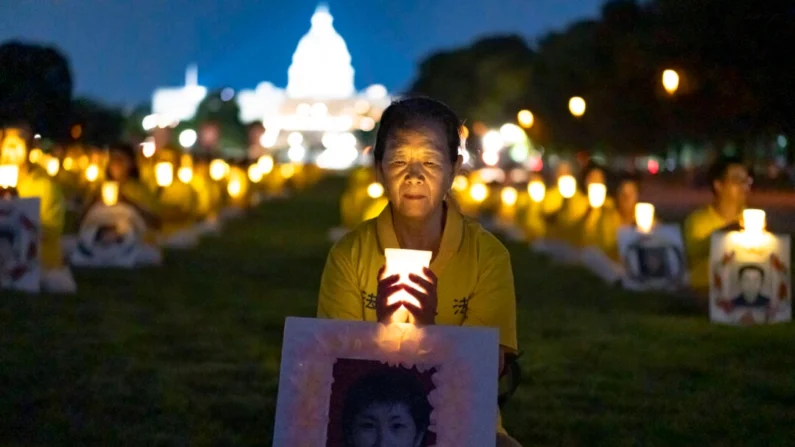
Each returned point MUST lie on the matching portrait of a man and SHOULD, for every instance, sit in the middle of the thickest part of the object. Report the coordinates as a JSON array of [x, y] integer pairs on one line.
[[751, 280], [108, 235], [653, 262]]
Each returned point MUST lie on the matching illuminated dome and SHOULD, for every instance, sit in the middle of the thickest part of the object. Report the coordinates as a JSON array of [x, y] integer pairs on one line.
[[321, 67]]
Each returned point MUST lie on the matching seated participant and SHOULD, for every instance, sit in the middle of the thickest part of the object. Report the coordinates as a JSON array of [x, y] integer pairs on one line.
[[730, 184], [620, 215], [470, 280], [34, 182], [178, 202], [209, 194]]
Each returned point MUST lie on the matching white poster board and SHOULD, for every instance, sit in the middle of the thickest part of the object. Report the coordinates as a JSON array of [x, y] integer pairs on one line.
[[440, 381], [750, 278], [110, 236], [653, 260], [20, 239]]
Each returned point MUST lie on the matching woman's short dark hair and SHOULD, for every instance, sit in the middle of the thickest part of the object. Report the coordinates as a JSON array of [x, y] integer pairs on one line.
[[128, 151], [718, 170], [387, 386], [590, 167], [622, 178], [418, 113]]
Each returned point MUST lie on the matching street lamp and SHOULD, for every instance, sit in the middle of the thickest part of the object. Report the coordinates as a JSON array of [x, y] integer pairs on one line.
[[525, 118], [577, 106], [670, 81]]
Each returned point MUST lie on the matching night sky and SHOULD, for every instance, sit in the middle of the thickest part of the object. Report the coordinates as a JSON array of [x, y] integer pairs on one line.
[[121, 50]]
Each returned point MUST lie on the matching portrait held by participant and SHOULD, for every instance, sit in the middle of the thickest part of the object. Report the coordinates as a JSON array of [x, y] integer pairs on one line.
[[110, 236], [19, 245], [750, 278], [354, 384], [652, 260]]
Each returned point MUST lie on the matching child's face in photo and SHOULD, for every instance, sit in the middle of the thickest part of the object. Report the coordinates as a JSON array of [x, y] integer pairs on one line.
[[385, 425]]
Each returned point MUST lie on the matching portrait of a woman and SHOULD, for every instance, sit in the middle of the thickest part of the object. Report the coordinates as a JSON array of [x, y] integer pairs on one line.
[[470, 279]]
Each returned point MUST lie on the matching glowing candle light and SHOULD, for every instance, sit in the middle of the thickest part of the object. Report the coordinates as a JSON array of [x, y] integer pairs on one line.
[[9, 176], [644, 216], [478, 192], [218, 169], [185, 174], [287, 171], [148, 148], [537, 190], [403, 263], [567, 185], [53, 166], [164, 174], [754, 221], [375, 190], [110, 193], [265, 163], [509, 195], [92, 173], [255, 173], [597, 193], [460, 183], [234, 188], [68, 163], [35, 155]]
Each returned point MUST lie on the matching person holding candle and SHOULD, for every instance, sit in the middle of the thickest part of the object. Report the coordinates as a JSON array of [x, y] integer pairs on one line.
[[622, 214], [33, 182], [730, 183], [470, 279]]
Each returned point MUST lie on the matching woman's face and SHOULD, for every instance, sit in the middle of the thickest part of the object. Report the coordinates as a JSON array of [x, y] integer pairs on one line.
[[595, 176], [627, 198], [119, 166], [385, 425], [416, 172]]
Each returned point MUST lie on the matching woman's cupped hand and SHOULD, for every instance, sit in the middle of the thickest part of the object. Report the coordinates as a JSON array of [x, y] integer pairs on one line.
[[425, 295]]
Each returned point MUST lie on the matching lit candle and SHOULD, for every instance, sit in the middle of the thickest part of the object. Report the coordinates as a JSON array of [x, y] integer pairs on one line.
[[255, 173], [567, 185], [265, 164], [478, 192], [110, 193], [375, 190], [754, 221], [218, 169], [537, 190], [53, 166], [185, 174], [644, 216], [9, 176], [287, 170], [597, 193], [35, 155], [148, 148], [403, 263], [68, 163], [164, 174], [234, 188], [509, 196], [92, 173]]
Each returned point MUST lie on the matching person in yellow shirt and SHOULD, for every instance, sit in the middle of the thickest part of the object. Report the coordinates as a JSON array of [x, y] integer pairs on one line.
[[470, 279], [621, 214], [33, 182], [730, 183]]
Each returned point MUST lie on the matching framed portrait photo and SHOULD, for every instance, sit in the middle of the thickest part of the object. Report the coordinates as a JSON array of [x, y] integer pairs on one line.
[[350, 383], [20, 236], [110, 236], [750, 280], [653, 260]]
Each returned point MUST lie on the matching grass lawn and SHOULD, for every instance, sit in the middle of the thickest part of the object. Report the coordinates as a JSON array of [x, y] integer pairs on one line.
[[189, 354]]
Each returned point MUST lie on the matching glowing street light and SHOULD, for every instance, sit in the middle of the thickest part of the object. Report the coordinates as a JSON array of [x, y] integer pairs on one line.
[[670, 81], [187, 138], [525, 118], [577, 106]]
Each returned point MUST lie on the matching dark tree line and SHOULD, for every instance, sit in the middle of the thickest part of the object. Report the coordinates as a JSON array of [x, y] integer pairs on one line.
[[731, 55]]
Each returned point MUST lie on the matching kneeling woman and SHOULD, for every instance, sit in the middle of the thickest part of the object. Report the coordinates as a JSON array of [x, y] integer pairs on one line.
[[470, 279]]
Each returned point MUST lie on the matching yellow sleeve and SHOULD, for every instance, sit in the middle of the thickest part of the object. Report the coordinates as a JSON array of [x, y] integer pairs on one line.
[[698, 229], [493, 302], [53, 212], [339, 293], [607, 229]]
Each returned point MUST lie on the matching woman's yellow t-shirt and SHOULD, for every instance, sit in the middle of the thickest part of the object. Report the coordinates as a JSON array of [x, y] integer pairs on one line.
[[475, 279], [33, 182]]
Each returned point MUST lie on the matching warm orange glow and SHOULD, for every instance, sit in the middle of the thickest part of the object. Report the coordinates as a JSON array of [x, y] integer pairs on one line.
[[754, 221], [255, 173], [525, 118], [577, 106], [265, 163], [53, 166], [234, 188], [537, 190], [644, 217], [76, 131], [509, 195], [670, 81], [375, 190], [597, 193], [35, 155], [218, 169], [460, 183], [403, 263], [164, 174], [110, 193], [478, 192], [92, 173], [185, 174], [9, 176], [287, 171], [567, 185]]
